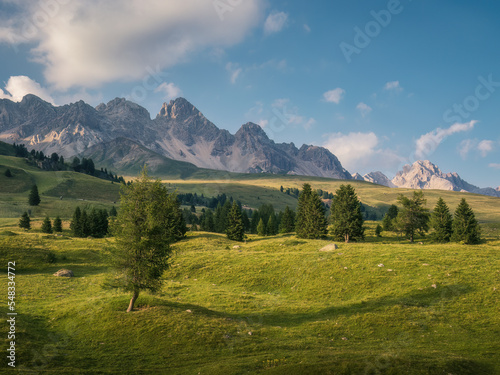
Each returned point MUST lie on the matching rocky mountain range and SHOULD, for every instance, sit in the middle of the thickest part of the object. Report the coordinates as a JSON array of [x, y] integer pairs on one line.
[[425, 175], [179, 132]]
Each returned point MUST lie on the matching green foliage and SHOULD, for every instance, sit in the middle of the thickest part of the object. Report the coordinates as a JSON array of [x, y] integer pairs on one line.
[[347, 219], [149, 220], [465, 226], [441, 221], [46, 225], [34, 197], [261, 228], [413, 217], [8, 173], [113, 212], [271, 227], [207, 223], [378, 230], [311, 221], [287, 223], [76, 223], [235, 230], [94, 223], [25, 222], [389, 217], [58, 225]]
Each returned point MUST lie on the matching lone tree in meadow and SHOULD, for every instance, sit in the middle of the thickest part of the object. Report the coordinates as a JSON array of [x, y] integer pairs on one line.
[[311, 221], [261, 228], [413, 217], [465, 226], [58, 224], [46, 225], [34, 197], [149, 220], [235, 230], [25, 222], [287, 224], [441, 222], [388, 220], [346, 216]]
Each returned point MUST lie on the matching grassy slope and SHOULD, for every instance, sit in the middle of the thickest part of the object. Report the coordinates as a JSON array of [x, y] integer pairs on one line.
[[308, 312]]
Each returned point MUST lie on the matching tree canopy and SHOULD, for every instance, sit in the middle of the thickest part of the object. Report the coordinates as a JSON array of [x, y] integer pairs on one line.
[[441, 221], [311, 220], [346, 216], [465, 226], [413, 217]]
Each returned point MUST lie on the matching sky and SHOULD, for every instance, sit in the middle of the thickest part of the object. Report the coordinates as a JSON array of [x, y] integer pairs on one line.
[[380, 84]]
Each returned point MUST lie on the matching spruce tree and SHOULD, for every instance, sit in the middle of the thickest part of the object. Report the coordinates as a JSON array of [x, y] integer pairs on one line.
[[46, 225], [8, 173], [261, 228], [85, 224], [58, 224], [34, 197], [287, 224], [235, 230], [378, 230], [25, 222], [113, 212], [76, 223], [311, 221], [388, 220], [346, 216], [271, 225], [207, 223], [465, 226], [441, 222], [413, 217]]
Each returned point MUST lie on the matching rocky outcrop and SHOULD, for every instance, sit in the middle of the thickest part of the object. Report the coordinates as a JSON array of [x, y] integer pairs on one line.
[[378, 178]]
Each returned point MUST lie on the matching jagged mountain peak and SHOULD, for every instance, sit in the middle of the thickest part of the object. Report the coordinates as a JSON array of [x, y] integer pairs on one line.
[[179, 109], [252, 129], [123, 108]]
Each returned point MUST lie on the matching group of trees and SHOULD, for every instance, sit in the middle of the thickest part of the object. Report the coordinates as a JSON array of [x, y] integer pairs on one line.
[[93, 223], [413, 218], [47, 225]]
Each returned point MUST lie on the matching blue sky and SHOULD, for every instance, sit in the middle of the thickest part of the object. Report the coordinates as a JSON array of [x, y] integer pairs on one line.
[[380, 83]]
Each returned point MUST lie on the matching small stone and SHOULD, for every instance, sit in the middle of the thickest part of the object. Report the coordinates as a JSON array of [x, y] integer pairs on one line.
[[380, 265], [345, 268], [425, 264], [64, 273], [236, 247], [189, 311], [434, 286], [250, 333], [389, 270], [344, 338], [329, 248]]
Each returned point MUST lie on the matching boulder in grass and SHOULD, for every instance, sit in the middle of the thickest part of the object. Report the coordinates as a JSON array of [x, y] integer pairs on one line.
[[328, 248], [64, 273]]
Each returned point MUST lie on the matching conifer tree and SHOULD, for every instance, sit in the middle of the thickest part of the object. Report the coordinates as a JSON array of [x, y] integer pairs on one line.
[[85, 224], [261, 228], [271, 225], [58, 225], [235, 230], [8, 173], [287, 224], [25, 222], [378, 230], [441, 222], [113, 211], [46, 225], [413, 217], [346, 216], [76, 223], [207, 223], [388, 220], [311, 221], [34, 197], [465, 226]]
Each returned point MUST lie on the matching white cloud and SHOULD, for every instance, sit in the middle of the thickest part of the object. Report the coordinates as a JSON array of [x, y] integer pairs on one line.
[[92, 42], [307, 28], [465, 147], [334, 96], [428, 143], [19, 86], [485, 147], [275, 22], [364, 109], [234, 71], [495, 165], [394, 85], [361, 152], [170, 90], [280, 103], [263, 123]]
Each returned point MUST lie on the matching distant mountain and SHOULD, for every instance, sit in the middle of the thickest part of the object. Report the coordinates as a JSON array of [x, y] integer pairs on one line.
[[425, 175], [179, 132], [375, 178]]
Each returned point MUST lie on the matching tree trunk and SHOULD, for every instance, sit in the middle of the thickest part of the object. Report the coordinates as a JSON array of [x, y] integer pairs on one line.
[[132, 300], [346, 236]]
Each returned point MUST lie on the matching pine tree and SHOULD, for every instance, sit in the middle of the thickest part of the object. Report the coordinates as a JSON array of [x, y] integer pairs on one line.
[[246, 220], [8, 173], [441, 222], [76, 223], [413, 217], [311, 221], [261, 228], [207, 223], [287, 224], [378, 230], [271, 225], [34, 197], [235, 230], [46, 225], [58, 224], [465, 226], [346, 216], [113, 212], [25, 222], [388, 220], [85, 224]]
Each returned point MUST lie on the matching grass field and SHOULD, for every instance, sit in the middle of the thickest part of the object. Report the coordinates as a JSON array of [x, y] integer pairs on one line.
[[273, 306]]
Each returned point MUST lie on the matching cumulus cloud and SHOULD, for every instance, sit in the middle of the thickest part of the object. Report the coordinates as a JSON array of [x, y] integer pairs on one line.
[[275, 22], [19, 86], [469, 145], [495, 165], [428, 143], [361, 152], [393, 85], [364, 109], [89, 43], [169, 90], [334, 96], [465, 147], [485, 147]]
